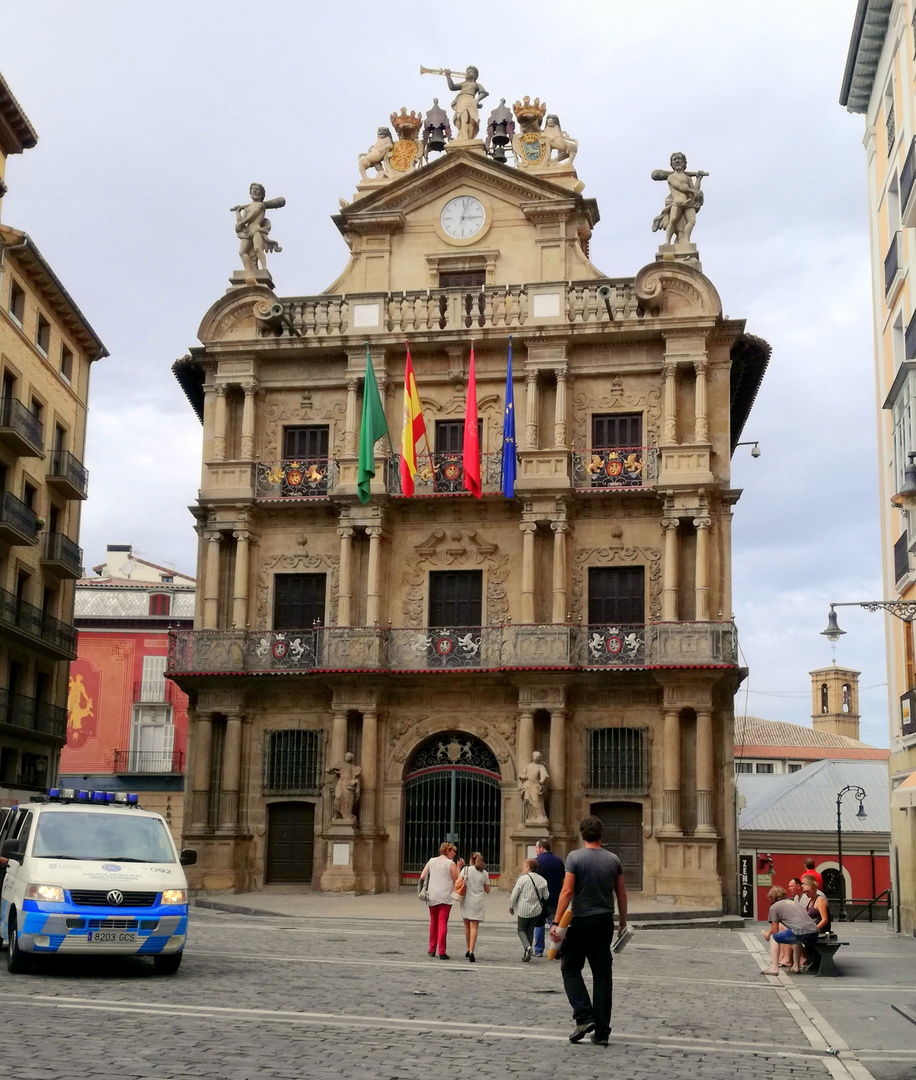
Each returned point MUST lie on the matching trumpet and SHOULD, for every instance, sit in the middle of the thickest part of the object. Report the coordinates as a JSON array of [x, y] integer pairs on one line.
[[439, 71]]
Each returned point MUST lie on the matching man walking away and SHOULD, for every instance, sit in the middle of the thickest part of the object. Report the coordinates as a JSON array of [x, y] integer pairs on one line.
[[551, 869], [593, 878]]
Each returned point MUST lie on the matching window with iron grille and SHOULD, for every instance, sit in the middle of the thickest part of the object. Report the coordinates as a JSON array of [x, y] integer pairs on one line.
[[618, 760], [292, 762]]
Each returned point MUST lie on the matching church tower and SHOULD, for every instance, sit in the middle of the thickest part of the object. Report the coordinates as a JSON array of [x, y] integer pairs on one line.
[[835, 700]]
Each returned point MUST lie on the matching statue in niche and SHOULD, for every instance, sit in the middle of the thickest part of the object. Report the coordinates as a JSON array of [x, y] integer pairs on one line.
[[466, 105], [532, 781], [347, 786], [252, 228], [376, 155], [684, 200]]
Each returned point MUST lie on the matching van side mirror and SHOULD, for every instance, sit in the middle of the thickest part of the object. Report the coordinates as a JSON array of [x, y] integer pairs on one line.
[[12, 849], [188, 856]]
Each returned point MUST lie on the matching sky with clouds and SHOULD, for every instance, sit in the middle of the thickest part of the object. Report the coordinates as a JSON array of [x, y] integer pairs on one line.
[[154, 118]]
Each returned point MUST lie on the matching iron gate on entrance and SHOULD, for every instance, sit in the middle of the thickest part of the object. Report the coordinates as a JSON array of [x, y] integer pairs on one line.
[[452, 792]]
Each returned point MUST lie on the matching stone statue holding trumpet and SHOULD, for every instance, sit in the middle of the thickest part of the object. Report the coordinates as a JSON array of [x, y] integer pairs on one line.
[[684, 200], [467, 103]]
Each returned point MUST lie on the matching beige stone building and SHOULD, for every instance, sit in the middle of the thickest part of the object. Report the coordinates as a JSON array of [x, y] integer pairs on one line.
[[46, 350], [444, 640]]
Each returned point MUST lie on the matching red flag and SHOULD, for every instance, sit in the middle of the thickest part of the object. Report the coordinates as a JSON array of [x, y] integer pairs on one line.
[[412, 429], [471, 449]]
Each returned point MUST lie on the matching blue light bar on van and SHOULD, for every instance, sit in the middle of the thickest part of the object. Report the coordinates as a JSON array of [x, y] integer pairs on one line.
[[133, 799], [54, 793], [99, 796], [82, 796], [67, 793]]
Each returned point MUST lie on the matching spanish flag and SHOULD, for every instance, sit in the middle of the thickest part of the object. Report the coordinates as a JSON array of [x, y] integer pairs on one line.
[[413, 429], [471, 453]]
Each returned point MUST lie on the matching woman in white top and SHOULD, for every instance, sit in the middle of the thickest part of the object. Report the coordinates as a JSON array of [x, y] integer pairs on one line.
[[477, 885], [441, 873]]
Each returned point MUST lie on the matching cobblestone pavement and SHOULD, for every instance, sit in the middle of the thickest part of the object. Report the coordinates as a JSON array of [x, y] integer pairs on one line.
[[271, 999]]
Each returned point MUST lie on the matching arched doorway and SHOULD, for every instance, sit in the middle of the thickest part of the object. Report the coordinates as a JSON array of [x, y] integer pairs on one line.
[[623, 835], [452, 792]]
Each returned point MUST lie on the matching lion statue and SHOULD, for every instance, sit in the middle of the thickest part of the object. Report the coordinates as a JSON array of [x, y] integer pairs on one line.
[[559, 140], [376, 153]]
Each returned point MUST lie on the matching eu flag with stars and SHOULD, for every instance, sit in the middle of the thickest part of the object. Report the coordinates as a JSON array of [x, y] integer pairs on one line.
[[509, 452]]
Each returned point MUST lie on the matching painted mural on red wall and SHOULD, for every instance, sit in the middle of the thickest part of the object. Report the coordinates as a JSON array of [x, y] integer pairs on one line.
[[108, 698]]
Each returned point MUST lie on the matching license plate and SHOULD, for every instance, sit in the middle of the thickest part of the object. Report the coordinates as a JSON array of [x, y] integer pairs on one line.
[[112, 937]]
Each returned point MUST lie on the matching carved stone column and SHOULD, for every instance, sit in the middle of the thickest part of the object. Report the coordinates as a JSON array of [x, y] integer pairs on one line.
[[528, 530], [249, 388], [350, 421], [211, 580], [219, 424], [560, 605], [373, 592], [671, 799], [369, 763], [704, 773], [200, 791], [232, 771], [702, 524], [531, 409], [670, 402], [240, 586], [701, 422], [525, 739], [558, 770], [559, 412], [669, 571], [345, 585], [338, 737]]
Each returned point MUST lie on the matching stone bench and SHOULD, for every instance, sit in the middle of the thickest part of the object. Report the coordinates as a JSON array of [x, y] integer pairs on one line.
[[826, 949]]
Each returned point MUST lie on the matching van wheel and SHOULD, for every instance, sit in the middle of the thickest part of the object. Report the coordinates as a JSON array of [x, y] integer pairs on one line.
[[167, 964], [16, 960]]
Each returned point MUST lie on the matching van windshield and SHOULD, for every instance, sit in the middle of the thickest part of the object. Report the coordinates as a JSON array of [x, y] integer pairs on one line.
[[97, 835]]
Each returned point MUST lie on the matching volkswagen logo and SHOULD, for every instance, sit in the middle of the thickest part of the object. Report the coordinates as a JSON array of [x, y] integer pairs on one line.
[[116, 897]]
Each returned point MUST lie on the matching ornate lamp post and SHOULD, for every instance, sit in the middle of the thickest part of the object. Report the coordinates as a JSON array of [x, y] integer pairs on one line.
[[903, 609], [860, 813]]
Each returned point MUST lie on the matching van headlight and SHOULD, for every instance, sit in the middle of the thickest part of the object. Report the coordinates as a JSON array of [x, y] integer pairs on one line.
[[174, 896], [50, 894]]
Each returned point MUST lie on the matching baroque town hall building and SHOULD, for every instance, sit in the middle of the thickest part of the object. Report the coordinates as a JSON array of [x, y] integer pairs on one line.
[[442, 640]]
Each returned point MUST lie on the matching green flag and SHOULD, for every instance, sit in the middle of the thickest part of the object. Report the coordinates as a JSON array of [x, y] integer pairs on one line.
[[372, 428]]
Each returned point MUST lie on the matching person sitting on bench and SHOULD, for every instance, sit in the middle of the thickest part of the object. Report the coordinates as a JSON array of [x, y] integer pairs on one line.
[[816, 905], [800, 929]]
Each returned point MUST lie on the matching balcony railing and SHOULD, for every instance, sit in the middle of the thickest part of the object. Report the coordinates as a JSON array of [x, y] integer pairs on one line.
[[37, 626], [66, 472], [148, 761], [407, 649], [18, 523], [892, 263], [296, 477], [32, 715], [442, 473], [154, 692], [890, 129], [901, 557], [65, 553], [620, 467], [20, 427]]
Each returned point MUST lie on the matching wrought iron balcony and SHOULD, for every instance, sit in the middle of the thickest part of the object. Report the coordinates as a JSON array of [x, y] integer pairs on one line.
[[36, 627], [147, 761], [63, 556], [27, 713], [442, 473], [20, 428], [296, 478], [620, 467], [892, 263], [483, 648], [18, 524], [68, 475]]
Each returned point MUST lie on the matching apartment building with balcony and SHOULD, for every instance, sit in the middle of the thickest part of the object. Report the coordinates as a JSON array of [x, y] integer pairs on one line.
[[442, 639], [879, 83], [126, 723], [46, 350]]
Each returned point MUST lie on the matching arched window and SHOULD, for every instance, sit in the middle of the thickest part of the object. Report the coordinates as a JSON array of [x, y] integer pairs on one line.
[[846, 702], [825, 706]]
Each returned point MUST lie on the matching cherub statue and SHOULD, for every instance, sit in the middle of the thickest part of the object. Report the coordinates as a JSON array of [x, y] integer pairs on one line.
[[467, 104], [252, 227], [531, 785], [346, 786], [684, 200], [376, 154]]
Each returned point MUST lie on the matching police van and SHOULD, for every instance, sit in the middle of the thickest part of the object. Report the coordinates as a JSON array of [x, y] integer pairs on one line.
[[90, 872]]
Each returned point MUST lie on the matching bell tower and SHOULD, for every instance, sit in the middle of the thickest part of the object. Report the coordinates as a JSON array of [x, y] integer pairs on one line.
[[835, 700]]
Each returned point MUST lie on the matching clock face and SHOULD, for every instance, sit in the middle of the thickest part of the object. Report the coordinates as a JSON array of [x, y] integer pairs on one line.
[[463, 217]]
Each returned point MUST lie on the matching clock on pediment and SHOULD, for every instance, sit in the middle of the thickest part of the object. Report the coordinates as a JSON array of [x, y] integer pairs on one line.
[[463, 219]]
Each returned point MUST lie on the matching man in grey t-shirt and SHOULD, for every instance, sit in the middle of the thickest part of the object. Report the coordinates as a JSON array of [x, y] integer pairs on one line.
[[594, 879]]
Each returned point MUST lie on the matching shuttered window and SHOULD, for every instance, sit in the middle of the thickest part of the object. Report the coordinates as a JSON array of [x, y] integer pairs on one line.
[[298, 601], [616, 594]]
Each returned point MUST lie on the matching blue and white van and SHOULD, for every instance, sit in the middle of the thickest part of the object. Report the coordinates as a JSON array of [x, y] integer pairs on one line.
[[89, 872]]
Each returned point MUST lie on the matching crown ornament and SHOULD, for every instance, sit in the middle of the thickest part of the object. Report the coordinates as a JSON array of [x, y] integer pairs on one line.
[[406, 124], [530, 113]]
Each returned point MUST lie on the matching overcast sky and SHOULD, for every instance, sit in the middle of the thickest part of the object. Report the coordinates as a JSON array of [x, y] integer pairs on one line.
[[154, 118]]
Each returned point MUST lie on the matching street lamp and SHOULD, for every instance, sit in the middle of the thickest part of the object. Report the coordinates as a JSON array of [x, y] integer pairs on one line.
[[903, 609], [860, 813]]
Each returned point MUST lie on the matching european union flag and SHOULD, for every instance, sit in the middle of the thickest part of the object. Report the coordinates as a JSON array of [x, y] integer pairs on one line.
[[509, 451]]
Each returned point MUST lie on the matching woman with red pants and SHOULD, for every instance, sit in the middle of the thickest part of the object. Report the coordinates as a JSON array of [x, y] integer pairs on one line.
[[440, 874]]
